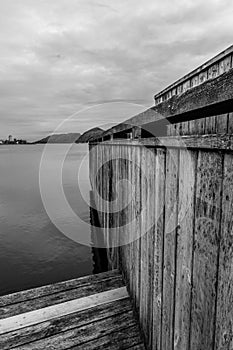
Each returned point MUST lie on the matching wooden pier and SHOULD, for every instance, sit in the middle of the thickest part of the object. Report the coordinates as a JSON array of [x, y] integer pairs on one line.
[[92, 312]]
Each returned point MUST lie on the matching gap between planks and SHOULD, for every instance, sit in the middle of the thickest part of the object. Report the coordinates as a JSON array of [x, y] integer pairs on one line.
[[45, 314]]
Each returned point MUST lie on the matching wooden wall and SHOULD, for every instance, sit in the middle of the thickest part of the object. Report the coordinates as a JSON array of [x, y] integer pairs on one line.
[[179, 262], [219, 124]]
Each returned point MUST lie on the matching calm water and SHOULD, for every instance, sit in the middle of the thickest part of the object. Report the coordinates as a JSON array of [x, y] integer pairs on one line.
[[33, 252]]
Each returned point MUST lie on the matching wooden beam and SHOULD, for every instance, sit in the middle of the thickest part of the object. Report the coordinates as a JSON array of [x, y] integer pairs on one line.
[[209, 142]]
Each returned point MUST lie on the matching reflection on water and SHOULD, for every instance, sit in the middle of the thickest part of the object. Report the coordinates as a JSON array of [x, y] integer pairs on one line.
[[32, 250]]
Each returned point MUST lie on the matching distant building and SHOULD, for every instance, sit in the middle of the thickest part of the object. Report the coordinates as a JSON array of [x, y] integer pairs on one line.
[[10, 138]]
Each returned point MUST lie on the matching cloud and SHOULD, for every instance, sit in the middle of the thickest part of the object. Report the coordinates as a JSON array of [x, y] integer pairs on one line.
[[58, 57]]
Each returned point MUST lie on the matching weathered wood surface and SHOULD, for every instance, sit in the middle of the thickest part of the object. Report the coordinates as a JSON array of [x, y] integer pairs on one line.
[[206, 142], [50, 289], [207, 221], [105, 320], [224, 320], [179, 273], [184, 254], [59, 297], [219, 124], [63, 323], [158, 240], [170, 240]]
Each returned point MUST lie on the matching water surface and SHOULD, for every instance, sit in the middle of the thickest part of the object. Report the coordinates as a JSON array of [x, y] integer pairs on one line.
[[33, 252]]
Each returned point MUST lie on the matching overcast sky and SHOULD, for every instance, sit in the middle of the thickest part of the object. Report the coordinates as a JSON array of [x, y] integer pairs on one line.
[[60, 56]]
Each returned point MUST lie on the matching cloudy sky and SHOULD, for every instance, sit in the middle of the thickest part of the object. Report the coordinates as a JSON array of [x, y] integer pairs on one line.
[[98, 60]]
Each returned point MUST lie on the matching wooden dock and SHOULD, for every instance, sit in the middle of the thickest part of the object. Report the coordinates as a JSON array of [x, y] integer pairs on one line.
[[92, 312]]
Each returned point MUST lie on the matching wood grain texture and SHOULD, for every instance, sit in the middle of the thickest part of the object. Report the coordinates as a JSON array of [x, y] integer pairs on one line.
[[62, 324], [224, 324], [47, 313], [172, 271], [160, 171], [65, 295], [172, 168], [207, 216], [184, 249], [123, 339], [221, 123], [137, 241], [144, 247], [87, 333], [230, 123], [210, 125], [57, 287]]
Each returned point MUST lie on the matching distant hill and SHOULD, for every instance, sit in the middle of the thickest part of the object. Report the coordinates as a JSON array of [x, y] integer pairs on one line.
[[60, 138], [90, 135]]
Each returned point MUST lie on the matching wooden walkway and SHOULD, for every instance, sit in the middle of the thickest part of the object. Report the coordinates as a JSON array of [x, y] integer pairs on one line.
[[92, 312]]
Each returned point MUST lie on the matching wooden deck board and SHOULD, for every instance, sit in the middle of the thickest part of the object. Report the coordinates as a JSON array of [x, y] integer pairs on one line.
[[57, 287], [104, 319], [54, 298]]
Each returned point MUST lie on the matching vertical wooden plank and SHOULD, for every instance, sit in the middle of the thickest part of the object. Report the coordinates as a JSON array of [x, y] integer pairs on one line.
[[160, 171], [207, 216], [126, 211], [185, 128], [230, 123], [197, 127], [184, 249], [137, 242], [213, 71], [144, 241], [210, 126], [221, 123], [172, 167], [151, 171], [132, 190], [224, 322]]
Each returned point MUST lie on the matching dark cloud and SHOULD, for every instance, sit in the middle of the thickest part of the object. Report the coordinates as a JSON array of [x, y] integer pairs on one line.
[[58, 58]]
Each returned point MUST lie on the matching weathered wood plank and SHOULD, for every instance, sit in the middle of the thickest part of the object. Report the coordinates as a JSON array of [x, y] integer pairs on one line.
[[172, 167], [137, 239], [86, 333], [184, 249], [221, 123], [41, 315], [57, 287], [224, 317], [62, 324], [211, 142], [207, 216], [56, 298], [210, 125], [151, 222], [160, 171], [144, 247], [196, 127], [230, 123], [123, 339]]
